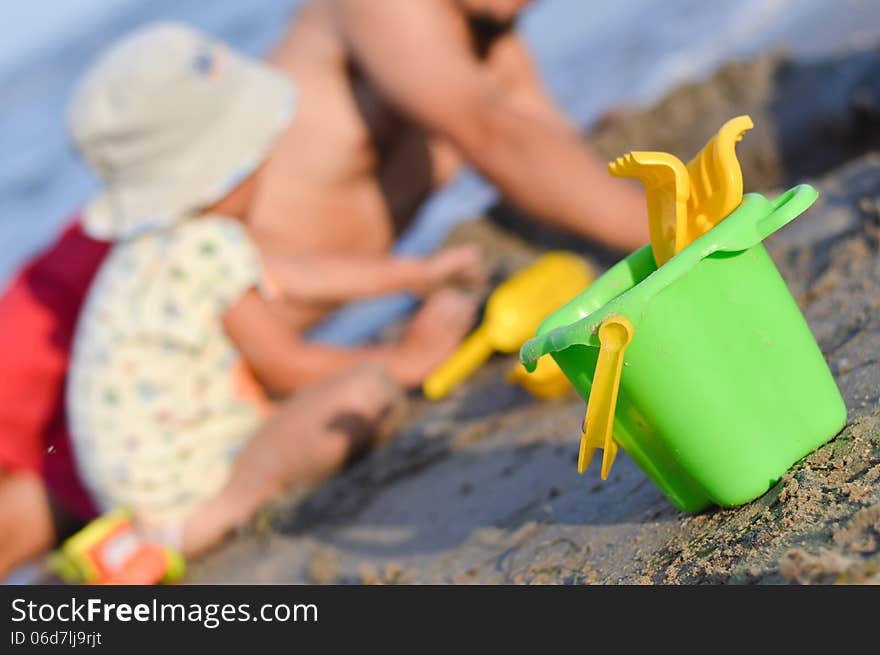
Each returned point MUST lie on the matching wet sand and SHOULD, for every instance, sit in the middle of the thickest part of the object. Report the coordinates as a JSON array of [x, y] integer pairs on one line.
[[482, 487]]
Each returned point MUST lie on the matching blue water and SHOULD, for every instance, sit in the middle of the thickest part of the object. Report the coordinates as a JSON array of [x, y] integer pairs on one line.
[[593, 54]]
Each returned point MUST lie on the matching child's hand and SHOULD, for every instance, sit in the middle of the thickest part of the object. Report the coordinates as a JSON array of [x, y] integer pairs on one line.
[[459, 265], [435, 332]]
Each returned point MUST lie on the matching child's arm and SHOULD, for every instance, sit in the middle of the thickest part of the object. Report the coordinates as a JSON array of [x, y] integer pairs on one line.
[[339, 278], [283, 362]]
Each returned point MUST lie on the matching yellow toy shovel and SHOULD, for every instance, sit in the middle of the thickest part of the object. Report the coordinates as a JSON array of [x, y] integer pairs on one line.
[[615, 334], [513, 313], [686, 202]]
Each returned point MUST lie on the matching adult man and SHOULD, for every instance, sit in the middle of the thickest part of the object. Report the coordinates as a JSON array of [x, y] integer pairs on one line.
[[394, 97]]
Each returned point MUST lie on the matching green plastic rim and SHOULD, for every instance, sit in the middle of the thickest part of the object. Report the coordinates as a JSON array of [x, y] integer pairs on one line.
[[577, 323]]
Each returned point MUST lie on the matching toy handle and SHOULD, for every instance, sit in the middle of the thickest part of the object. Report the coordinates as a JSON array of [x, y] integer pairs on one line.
[[615, 334], [471, 354], [783, 210], [786, 208]]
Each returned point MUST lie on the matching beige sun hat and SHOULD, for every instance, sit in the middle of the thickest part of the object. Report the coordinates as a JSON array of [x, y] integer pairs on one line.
[[172, 121]]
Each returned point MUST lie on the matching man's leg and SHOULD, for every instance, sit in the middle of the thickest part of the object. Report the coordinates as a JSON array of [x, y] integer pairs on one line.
[[306, 440], [26, 520]]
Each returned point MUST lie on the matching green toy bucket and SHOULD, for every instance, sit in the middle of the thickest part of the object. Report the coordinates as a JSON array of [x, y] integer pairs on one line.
[[723, 386]]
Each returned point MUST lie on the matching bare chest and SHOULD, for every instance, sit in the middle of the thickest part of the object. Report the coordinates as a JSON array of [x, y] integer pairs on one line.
[[323, 188]]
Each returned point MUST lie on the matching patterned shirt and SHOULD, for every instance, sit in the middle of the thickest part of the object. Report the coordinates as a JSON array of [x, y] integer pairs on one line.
[[153, 396]]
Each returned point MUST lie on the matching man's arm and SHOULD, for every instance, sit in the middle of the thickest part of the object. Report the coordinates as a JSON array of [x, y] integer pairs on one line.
[[511, 64], [419, 55]]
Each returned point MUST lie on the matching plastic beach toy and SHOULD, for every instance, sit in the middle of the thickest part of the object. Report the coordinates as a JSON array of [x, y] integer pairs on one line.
[[513, 313], [615, 334], [722, 386], [109, 551], [545, 382], [686, 202]]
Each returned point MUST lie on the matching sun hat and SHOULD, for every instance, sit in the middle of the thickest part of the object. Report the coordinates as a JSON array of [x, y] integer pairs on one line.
[[172, 121]]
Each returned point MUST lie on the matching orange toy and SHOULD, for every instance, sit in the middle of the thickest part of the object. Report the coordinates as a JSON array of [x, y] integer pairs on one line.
[[110, 551]]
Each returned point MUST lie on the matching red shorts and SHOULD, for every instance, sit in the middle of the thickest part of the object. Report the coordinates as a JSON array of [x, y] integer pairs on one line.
[[38, 314]]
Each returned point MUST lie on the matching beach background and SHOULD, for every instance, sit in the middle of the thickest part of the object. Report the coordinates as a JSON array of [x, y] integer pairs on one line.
[[594, 56], [482, 486]]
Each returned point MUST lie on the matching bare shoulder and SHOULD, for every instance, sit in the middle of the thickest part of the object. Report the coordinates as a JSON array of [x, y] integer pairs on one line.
[[509, 58], [400, 21], [312, 34]]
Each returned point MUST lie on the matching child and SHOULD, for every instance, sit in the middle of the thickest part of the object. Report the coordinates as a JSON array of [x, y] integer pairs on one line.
[[179, 355], [41, 496]]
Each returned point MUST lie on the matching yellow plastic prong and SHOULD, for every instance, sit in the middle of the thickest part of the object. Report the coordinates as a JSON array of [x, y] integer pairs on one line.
[[716, 182], [615, 334], [666, 190]]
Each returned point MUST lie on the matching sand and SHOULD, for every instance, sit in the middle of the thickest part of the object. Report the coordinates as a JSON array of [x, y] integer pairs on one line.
[[482, 487]]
